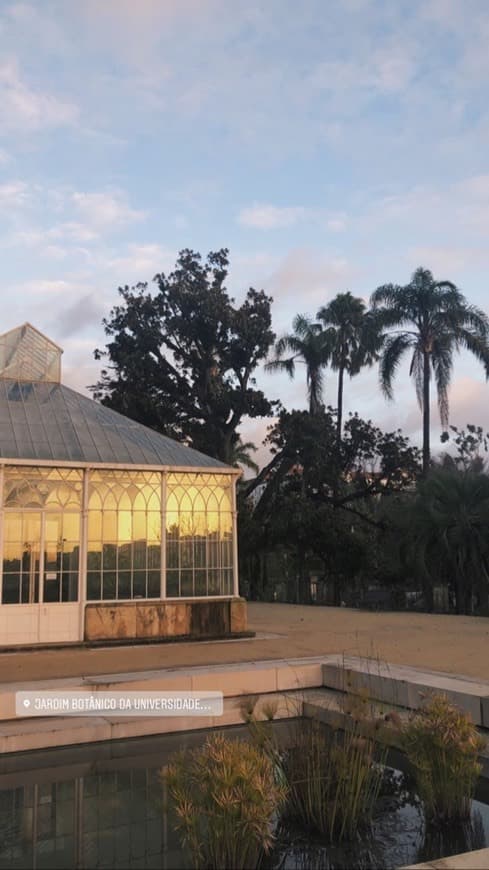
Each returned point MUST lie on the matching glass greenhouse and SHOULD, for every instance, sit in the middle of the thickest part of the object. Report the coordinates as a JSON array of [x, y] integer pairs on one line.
[[108, 529]]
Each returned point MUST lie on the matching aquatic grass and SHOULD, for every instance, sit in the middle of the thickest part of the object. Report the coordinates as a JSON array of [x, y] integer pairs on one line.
[[226, 798], [443, 745], [333, 778]]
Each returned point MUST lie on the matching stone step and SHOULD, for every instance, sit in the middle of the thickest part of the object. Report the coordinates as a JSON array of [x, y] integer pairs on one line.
[[276, 675], [406, 687]]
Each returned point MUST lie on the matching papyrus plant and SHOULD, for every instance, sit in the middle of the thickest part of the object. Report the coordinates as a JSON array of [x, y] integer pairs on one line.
[[226, 799]]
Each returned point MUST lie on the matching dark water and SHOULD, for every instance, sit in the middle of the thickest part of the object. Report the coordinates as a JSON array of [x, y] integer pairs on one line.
[[103, 806]]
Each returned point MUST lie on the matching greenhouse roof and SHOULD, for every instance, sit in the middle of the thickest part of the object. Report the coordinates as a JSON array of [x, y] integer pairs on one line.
[[42, 420]]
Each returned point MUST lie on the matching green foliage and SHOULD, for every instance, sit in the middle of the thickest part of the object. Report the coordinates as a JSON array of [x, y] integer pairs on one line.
[[226, 797], [443, 745], [182, 360], [469, 445], [442, 535], [431, 320], [351, 340], [304, 345], [333, 779], [320, 500]]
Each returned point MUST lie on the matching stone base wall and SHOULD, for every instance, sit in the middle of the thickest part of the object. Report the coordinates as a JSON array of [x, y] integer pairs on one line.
[[153, 619]]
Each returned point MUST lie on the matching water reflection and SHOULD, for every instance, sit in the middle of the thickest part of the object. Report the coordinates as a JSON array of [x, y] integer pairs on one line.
[[105, 806]]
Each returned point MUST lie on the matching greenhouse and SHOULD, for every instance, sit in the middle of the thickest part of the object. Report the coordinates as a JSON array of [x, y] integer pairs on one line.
[[109, 530]]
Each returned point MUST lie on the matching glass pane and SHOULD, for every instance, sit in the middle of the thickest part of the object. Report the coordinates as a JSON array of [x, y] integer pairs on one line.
[[154, 584], [154, 526], [109, 526], [139, 584], [201, 583], [214, 582], [172, 555], [125, 557], [154, 556], [187, 583], [11, 589], [124, 526], [139, 555], [94, 586], [172, 587], [124, 578], [32, 527], [109, 556], [71, 527], [186, 554], [52, 587], [94, 556], [95, 525], [69, 586], [12, 526], [139, 526], [109, 585]]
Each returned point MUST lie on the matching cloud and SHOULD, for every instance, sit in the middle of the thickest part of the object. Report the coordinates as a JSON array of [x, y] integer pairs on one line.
[[85, 311], [24, 109], [141, 262], [270, 217], [104, 210], [307, 274], [336, 224], [14, 194]]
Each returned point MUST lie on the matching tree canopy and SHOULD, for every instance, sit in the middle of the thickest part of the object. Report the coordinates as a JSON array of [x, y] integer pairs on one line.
[[182, 360], [430, 319]]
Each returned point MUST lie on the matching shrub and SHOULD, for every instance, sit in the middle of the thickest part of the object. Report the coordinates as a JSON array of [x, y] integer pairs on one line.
[[333, 779], [442, 744], [226, 798]]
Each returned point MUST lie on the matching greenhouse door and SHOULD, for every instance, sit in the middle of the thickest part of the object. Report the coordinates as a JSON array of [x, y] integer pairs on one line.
[[40, 578]]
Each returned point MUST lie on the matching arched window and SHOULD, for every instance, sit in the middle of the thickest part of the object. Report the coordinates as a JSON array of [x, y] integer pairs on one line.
[[41, 541], [124, 535], [199, 530]]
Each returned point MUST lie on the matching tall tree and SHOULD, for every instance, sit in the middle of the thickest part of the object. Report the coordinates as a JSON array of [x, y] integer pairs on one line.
[[431, 319], [351, 340], [444, 535], [305, 345], [182, 360]]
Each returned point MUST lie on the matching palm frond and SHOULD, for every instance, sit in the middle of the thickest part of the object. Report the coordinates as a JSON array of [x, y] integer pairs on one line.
[[394, 348], [416, 371], [281, 365], [442, 362]]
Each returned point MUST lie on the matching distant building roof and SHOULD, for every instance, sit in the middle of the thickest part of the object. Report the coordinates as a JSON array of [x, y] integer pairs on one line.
[[42, 420]]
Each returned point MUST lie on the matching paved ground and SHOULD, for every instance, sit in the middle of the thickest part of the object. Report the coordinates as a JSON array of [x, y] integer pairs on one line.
[[456, 644]]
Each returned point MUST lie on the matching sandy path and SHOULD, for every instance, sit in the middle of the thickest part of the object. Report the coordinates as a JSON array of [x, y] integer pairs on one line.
[[456, 644]]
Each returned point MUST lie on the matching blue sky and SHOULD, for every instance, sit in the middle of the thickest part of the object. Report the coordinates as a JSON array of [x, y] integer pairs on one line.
[[331, 146]]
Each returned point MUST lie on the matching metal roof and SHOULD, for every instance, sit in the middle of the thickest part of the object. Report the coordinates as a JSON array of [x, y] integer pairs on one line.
[[48, 421]]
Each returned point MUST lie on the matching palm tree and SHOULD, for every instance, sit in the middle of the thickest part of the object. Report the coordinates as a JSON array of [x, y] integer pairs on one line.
[[305, 345], [431, 319], [351, 340], [446, 534], [241, 455]]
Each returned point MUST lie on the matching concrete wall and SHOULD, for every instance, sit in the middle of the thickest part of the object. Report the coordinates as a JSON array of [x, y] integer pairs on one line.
[[218, 617]]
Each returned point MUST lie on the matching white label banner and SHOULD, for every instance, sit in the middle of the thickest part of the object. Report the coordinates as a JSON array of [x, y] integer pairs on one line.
[[93, 703]]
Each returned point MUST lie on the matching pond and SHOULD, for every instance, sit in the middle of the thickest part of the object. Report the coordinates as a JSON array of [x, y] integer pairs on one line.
[[104, 806]]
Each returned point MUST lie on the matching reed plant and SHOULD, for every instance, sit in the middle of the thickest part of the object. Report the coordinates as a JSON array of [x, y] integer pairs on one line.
[[333, 778], [227, 798], [443, 745]]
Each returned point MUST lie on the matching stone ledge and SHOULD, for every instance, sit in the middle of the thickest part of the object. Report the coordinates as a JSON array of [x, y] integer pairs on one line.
[[406, 686], [478, 860], [185, 617]]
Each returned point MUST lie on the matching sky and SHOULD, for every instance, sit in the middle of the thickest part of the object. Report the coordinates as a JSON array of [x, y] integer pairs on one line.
[[331, 146]]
